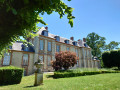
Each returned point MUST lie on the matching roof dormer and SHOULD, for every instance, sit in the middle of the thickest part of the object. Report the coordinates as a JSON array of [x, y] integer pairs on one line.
[[45, 33], [74, 43], [67, 41], [57, 38]]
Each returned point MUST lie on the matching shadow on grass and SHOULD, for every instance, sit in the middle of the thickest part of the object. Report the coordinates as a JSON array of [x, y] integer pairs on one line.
[[52, 76], [30, 86], [8, 84]]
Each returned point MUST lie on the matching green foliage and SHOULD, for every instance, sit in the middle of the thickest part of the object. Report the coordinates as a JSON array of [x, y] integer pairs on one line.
[[82, 72], [10, 75], [106, 59], [111, 59], [96, 42], [19, 17], [64, 60], [111, 46]]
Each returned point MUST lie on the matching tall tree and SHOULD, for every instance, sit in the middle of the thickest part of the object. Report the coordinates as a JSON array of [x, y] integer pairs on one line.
[[111, 46], [19, 17], [96, 42]]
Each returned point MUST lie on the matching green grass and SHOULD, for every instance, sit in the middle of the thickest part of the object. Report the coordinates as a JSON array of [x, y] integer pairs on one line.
[[93, 82]]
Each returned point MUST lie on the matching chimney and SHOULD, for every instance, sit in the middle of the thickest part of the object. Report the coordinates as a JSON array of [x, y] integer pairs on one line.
[[84, 39], [46, 28], [72, 38]]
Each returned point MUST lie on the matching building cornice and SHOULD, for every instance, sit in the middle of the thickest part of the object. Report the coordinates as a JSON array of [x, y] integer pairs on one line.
[[20, 51]]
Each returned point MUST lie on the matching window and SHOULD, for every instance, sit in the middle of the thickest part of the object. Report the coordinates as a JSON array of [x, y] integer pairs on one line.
[[41, 58], [57, 38], [25, 59], [49, 60], [67, 41], [45, 33], [41, 45], [49, 46], [68, 48], [76, 51], [26, 48], [75, 43], [57, 48], [6, 59], [77, 63]]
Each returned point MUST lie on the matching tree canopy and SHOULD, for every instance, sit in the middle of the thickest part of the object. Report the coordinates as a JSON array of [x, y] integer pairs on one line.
[[19, 17], [111, 46], [96, 42]]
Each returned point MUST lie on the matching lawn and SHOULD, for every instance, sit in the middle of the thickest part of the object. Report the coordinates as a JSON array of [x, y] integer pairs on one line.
[[92, 82]]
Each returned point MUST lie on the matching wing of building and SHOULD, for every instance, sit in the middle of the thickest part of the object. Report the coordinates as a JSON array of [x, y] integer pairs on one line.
[[45, 45]]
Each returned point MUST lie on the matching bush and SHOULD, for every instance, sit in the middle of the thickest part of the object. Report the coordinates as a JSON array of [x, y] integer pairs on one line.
[[106, 59], [10, 75], [64, 60], [82, 72], [111, 59]]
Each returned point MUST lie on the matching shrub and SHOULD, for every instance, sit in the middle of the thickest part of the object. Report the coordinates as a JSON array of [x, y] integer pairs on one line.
[[106, 59], [10, 75], [82, 72], [64, 60], [111, 59]]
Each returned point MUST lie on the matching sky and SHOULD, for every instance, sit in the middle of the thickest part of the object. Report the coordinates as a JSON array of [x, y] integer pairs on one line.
[[99, 16]]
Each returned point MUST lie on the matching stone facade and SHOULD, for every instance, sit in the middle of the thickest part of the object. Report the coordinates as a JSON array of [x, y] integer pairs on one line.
[[17, 56]]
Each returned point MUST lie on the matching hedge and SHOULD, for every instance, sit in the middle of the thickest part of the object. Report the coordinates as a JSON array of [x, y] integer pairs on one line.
[[74, 73], [10, 75], [111, 59]]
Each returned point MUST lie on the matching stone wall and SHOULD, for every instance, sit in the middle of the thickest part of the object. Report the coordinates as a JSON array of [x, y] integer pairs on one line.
[[31, 64], [17, 59]]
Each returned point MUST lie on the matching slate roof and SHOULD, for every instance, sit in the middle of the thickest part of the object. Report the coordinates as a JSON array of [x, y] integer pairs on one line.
[[19, 46], [62, 39]]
